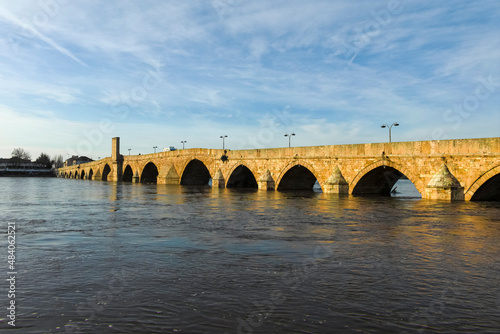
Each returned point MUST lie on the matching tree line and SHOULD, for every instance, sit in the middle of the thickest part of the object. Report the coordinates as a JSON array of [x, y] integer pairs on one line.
[[43, 159]]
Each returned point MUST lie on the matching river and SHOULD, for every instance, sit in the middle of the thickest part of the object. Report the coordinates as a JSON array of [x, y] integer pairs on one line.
[[99, 257]]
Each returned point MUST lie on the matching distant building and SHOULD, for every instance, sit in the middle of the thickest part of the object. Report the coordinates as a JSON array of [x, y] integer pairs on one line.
[[18, 166], [76, 160]]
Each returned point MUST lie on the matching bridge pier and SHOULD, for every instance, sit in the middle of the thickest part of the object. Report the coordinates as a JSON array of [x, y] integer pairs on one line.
[[171, 177], [115, 175], [218, 180], [336, 183], [444, 186], [266, 182], [167, 180], [136, 178]]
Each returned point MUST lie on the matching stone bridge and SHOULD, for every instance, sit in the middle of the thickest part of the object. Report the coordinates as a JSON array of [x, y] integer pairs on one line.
[[463, 169]]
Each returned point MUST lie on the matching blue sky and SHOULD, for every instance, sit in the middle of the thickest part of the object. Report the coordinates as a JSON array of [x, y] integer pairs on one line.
[[73, 74]]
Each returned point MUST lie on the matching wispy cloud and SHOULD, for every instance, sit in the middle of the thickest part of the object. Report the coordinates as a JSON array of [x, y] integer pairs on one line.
[[13, 85], [342, 68], [8, 16]]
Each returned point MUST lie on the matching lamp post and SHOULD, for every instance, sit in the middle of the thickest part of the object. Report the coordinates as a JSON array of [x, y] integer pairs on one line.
[[155, 147], [390, 127], [129, 151], [183, 142], [223, 142], [289, 138]]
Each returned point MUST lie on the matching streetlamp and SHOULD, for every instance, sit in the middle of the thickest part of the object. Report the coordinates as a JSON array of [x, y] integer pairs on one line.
[[155, 147], [223, 143], [289, 138], [390, 127], [129, 151], [183, 142]]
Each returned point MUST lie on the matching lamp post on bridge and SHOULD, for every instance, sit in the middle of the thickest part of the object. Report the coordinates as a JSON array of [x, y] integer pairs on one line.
[[183, 142], [223, 142], [390, 127], [289, 138], [129, 151], [155, 147]]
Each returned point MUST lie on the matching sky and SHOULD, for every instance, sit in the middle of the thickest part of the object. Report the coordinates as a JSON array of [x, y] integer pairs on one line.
[[74, 74]]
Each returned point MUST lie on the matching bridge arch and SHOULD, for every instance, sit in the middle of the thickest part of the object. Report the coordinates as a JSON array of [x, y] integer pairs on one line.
[[297, 176], [241, 177], [91, 174], [379, 177], [82, 175], [149, 173], [105, 172], [195, 172], [486, 187], [128, 174]]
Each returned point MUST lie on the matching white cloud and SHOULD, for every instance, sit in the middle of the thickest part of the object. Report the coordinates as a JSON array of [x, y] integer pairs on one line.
[[224, 66]]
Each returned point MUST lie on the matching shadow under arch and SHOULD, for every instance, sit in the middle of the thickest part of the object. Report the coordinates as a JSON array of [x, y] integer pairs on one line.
[[127, 174], [91, 174], [195, 174], [486, 187], [82, 175], [149, 174], [106, 172], [242, 177], [297, 176], [380, 177]]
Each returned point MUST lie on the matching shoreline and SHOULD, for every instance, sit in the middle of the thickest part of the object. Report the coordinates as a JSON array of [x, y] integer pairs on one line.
[[28, 174]]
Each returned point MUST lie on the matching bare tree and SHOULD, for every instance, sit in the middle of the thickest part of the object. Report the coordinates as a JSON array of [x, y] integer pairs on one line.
[[58, 161], [21, 154]]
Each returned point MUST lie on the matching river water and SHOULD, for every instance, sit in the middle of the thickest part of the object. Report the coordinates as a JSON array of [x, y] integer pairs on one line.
[[98, 257]]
